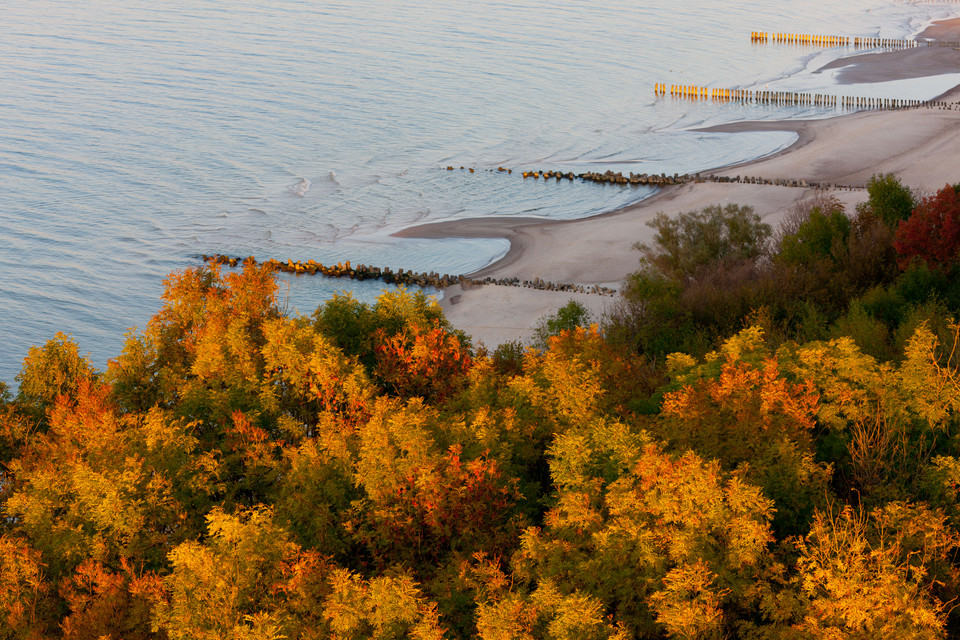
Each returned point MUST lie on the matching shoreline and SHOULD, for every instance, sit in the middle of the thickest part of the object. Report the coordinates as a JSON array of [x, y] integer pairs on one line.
[[918, 144]]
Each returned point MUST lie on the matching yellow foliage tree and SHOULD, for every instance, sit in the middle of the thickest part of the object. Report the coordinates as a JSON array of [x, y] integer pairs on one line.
[[100, 485], [627, 515], [866, 575], [225, 588]]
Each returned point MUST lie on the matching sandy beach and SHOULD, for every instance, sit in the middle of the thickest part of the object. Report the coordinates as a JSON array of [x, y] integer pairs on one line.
[[921, 146]]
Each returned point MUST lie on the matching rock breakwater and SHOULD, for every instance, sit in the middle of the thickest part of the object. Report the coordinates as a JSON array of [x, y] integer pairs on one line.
[[404, 277]]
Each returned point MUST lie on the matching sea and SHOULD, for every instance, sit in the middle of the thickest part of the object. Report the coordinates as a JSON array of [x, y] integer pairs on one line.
[[138, 135]]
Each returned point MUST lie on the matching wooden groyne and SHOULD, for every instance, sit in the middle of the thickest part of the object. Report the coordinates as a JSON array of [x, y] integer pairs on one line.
[[793, 98], [403, 277], [763, 37], [801, 38]]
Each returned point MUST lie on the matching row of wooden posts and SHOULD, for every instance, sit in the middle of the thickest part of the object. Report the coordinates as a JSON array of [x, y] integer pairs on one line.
[[789, 97], [401, 276], [846, 41], [801, 38]]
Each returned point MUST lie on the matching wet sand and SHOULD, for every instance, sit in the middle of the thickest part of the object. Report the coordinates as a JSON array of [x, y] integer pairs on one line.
[[921, 146]]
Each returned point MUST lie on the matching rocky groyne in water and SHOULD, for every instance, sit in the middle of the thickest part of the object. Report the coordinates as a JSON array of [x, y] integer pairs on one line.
[[402, 276], [663, 180]]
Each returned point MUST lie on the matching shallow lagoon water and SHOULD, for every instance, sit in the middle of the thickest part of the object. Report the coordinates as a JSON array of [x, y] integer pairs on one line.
[[135, 135]]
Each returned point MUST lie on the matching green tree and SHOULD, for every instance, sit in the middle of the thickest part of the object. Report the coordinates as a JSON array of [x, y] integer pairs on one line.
[[649, 317], [694, 239], [567, 318], [823, 234], [889, 200], [353, 326]]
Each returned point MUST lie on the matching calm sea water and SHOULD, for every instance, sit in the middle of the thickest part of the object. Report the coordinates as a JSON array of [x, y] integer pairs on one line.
[[136, 135]]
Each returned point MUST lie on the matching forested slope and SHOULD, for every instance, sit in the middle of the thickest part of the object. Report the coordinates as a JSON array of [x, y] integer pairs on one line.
[[366, 473]]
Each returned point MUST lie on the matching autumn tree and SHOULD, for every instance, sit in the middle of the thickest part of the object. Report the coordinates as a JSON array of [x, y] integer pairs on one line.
[[248, 579], [737, 407], [54, 370], [423, 502], [26, 604], [106, 603], [665, 543], [201, 353], [882, 423], [103, 486], [873, 575], [430, 363], [225, 587], [381, 608], [354, 326], [506, 613], [932, 233]]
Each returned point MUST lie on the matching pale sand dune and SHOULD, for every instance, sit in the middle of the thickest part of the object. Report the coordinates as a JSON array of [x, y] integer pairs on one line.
[[921, 146]]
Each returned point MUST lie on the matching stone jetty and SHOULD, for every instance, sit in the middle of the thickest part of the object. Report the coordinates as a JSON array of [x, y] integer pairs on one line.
[[663, 180], [403, 277]]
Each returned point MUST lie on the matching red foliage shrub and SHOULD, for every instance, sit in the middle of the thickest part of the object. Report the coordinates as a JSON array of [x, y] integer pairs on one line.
[[932, 233]]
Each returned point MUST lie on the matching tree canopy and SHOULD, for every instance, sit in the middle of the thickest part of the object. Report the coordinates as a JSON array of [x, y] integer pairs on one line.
[[366, 472]]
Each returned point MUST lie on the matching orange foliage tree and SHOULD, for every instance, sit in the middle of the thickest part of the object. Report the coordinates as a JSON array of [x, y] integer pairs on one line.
[[429, 363], [100, 485], [201, 353], [739, 408], [873, 575], [25, 594]]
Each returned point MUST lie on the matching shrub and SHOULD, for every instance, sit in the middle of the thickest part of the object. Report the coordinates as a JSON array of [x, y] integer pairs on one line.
[[568, 317], [696, 238], [823, 234], [932, 234], [508, 357], [870, 258], [648, 316], [869, 333], [885, 304], [722, 294]]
